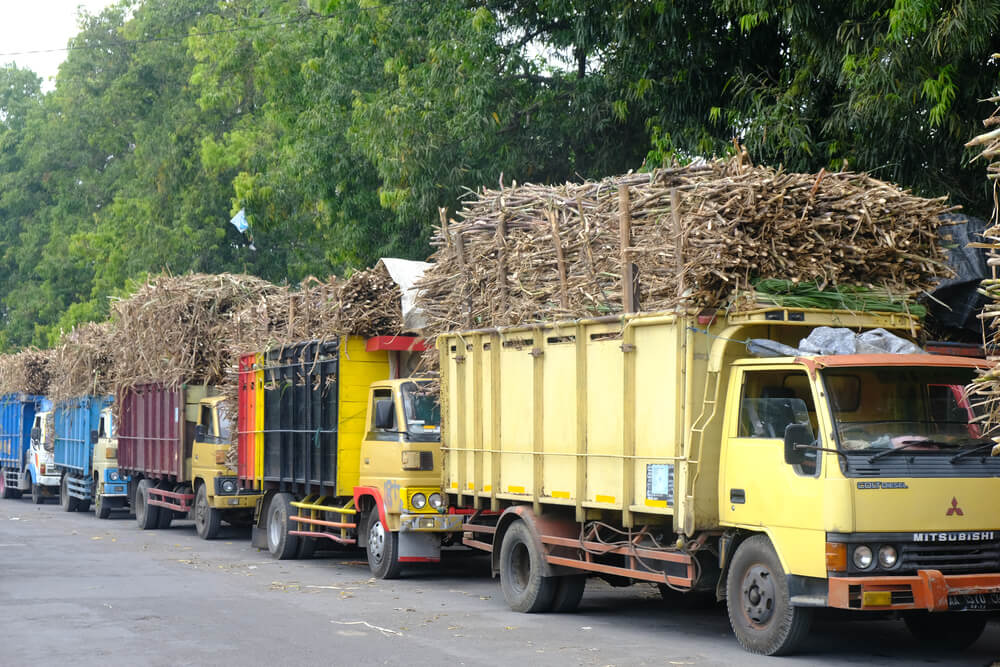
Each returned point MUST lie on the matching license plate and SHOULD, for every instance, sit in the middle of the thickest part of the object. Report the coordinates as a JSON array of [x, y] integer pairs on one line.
[[974, 601]]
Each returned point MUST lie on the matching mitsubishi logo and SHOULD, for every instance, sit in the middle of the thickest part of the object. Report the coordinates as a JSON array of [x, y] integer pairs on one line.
[[954, 509]]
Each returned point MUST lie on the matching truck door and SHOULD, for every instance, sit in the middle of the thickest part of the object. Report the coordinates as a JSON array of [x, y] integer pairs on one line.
[[758, 489]]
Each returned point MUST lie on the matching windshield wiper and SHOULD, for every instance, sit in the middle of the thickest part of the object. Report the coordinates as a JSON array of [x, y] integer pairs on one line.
[[906, 445], [969, 452]]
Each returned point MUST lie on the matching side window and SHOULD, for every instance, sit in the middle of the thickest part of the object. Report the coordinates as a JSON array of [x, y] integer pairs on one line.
[[102, 428], [773, 400], [383, 412], [206, 420]]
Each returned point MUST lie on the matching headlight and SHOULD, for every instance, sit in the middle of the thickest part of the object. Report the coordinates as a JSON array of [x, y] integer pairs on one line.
[[418, 500], [113, 476], [436, 500], [887, 556], [228, 486], [862, 557]]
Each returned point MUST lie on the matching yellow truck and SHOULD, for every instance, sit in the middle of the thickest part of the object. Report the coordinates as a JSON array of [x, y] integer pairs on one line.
[[654, 447], [344, 450]]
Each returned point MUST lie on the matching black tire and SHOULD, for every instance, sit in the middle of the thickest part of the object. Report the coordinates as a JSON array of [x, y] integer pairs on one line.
[[146, 515], [521, 580], [207, 519], [760, 609], [37, 497], [102, 510], [952, 631], [687, 600], [307, 547], [83, 505], [382, 547], [66, 501], [280, 544], [4, 489], [569, 592]]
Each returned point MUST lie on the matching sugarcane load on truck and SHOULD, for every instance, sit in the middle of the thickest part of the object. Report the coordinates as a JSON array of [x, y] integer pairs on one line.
[[657, 446]]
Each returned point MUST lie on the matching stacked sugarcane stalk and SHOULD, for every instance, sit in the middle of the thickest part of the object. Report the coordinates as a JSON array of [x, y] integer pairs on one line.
[[985, 390], [685, 237], [28, 372], [81, 364]]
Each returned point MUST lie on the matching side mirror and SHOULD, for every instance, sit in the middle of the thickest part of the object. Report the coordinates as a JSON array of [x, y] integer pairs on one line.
[[36, 434], [797, 434], [385, 417], [199, 432], [94, 437]]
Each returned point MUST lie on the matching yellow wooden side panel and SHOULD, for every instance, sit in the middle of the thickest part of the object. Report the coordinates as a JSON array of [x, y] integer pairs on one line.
[[659, 384], [358, 369], [473, 422], [604, 421], [517, 408], [559, 446], [484, 484]]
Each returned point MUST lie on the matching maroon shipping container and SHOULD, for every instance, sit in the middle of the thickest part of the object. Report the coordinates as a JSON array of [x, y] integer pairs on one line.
[[156, 430]]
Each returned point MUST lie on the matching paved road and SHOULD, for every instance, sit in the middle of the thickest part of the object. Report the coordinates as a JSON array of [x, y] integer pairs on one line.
[[78, 590]]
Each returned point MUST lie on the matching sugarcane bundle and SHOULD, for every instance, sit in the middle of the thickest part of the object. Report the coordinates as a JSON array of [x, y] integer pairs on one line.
[[81, 364], [27, 371], [697, 236]]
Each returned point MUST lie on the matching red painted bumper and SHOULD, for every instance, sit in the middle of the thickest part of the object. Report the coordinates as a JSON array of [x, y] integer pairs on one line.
[[928, 589]]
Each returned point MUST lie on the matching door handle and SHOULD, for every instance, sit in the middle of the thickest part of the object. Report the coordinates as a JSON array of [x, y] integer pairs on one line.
[[737, 496]]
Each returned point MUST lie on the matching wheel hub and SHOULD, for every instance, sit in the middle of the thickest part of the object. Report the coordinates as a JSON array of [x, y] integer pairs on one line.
[[274, 530], [758, 595], [376, 540]]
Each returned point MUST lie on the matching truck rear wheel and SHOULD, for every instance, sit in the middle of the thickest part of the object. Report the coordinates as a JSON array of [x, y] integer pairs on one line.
[[147, 516], [281, 545], [569, 592], [953, 631], [5, 491], [521, 564], [66, 501], [383, 548], [207, 519], [760, 608]]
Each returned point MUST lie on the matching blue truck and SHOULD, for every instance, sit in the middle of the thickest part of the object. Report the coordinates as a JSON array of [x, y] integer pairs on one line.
[[86, 456], [26, 462]]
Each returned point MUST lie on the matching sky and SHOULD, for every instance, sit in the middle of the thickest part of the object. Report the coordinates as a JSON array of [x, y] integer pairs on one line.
[[40, 25]]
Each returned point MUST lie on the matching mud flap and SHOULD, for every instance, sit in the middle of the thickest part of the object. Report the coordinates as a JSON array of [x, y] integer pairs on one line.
[[419, 546]]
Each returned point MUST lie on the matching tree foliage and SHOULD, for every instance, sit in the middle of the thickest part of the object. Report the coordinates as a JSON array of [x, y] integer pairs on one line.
[[341, 126]]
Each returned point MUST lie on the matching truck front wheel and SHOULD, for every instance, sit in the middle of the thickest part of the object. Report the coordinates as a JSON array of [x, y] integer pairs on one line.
[[146, 515], [953, 631], [760, 609], [207, 519], [521, 564], [383, 548], [102, 510], [37, 496]]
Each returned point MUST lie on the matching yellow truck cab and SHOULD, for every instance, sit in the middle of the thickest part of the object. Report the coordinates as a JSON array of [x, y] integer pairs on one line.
[[401, 473], [217, 494], [110, 485], [656, 447]]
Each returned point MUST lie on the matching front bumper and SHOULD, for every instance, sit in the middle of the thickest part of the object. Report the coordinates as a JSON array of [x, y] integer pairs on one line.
[[243, 499], [431, 523], [49, 480], [929, 590], [114, 489]]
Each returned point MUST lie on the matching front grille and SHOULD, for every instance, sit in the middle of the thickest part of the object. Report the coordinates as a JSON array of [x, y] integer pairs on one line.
[[950, 558]]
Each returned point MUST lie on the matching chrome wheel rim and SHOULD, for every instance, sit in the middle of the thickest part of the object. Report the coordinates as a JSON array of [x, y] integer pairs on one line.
[[376, 540], [274, 529]]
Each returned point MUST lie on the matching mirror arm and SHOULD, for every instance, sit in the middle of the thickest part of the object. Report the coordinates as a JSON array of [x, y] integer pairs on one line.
[[824, 449]]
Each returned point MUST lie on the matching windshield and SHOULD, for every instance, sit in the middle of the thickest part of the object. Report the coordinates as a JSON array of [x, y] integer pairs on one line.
[[923, 410], [421, 407]]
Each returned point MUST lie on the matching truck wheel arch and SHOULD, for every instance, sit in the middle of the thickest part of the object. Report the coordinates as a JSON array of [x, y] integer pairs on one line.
[[363, 492], [738, 537], [526, 515]]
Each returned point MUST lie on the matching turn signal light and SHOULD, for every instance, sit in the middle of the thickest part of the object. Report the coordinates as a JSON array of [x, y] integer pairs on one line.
[[110, 452], [836, 557], [220, 457], [876, 598]]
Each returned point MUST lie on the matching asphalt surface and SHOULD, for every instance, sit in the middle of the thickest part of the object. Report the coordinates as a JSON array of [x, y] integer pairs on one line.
[[81, 591]]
